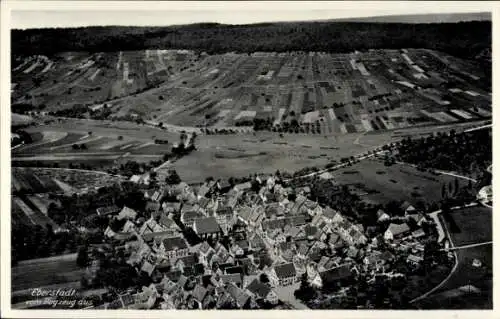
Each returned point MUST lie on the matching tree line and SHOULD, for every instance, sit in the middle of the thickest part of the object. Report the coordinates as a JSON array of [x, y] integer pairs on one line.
[[464, 39]]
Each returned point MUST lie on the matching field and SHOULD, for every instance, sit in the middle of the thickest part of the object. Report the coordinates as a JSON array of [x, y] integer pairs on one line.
[[37, 273], [475, 226], [396, 182], [319, 93], [47, 180]]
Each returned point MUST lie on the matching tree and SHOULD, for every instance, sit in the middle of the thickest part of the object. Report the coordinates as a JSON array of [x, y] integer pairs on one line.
[[120, 138], [264, 278], [173, 178], [82, 258]]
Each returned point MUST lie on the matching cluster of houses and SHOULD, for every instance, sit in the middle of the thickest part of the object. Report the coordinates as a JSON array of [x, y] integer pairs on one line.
[[252, 239]]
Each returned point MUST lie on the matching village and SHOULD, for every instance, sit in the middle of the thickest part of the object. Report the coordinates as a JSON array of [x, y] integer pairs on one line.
[[252, 245]]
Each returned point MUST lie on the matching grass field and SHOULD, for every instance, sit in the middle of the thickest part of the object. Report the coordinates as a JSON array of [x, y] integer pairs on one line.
[[37, 273], [396, 182]]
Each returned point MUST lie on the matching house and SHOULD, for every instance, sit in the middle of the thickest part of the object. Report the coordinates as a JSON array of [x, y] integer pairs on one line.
[[149, 193], [225, 218], [127, 213], [418, 218], [295, 233], [333, 278], [168, 223], [419, 233], [395, 231], [283, 275], [171, 207], [236, 279], [376, 259], [256, 216], [485, 194], [152, 207], [205, 253], [244, 212], [414, 260], [261, 291], [296, 207], [189, 216], [108, 210], [151, 226], [172, 248], [332, 216], [256, 243], [223, 185], [199, 294], [207, 228], [407, 208], [203, 190], [382, 216], [243, 186], [241, 298]]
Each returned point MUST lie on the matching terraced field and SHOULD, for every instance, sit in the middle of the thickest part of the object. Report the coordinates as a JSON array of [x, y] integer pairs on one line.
[[320, 93]]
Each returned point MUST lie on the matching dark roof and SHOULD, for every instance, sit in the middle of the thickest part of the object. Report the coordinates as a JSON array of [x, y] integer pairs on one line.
[[234, 270], [310, 230], [259, 289], [334, 274], [238, 294], [257, 242], [167, 221], [329, 212], [234, 278], [188, 260], [108, 210], [396, 229], [243, 244], [283, 246], [224, 210], [152, 206], [174, 243], [157, 236], [203, 202], [285, 270], [199, 293], [174, 275], [297, 220], [206, 225], [191, 216]]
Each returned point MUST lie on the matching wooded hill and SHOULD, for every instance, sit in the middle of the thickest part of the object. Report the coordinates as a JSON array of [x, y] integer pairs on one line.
[[462, 39]]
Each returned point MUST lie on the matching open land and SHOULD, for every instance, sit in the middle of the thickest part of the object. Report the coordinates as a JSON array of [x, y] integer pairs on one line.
[[474, 226], [253, 113]]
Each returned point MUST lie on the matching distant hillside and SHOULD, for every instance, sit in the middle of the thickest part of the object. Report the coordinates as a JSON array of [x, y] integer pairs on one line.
[[464, 39], [424, 18]]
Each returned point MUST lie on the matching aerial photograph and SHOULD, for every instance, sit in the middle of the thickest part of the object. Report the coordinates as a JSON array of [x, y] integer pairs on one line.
[[309, 164]]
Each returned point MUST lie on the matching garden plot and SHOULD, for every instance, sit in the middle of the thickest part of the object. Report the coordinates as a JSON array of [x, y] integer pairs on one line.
[[35, 216]]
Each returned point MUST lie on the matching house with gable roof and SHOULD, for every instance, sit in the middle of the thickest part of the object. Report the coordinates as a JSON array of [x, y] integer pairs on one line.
[[172, 247], [283, 275], [127, 213], [382, 216], [261, 291], [207, 228], [395, 231]]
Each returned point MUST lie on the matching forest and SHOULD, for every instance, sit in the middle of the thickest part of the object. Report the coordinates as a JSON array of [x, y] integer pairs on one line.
[[466, 153], [463, 39]]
